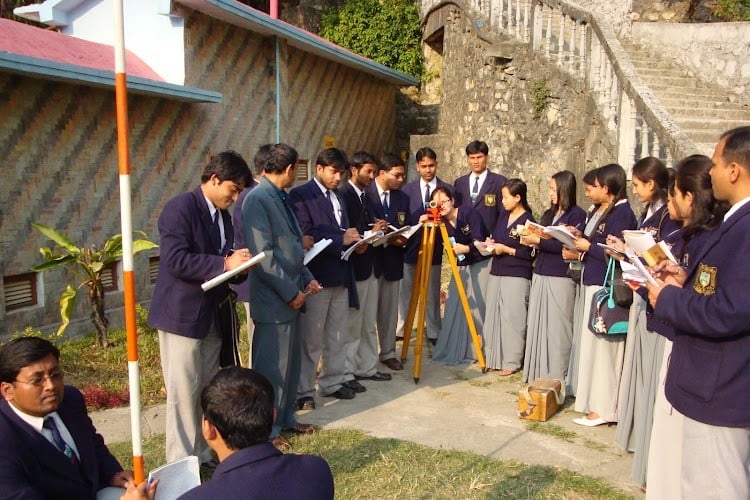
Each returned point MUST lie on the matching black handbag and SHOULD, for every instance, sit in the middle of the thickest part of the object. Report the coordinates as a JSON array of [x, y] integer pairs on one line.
[[605, 316], [622, 292]]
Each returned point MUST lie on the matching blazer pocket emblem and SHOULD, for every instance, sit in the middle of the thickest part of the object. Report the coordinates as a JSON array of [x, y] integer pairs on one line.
[[466, 229], [705, 280], [401, 218], [601, 228], [490, 200]]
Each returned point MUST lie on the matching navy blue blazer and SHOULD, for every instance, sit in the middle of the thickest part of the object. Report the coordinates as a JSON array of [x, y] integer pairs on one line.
[[315, 216], [488, 203], [33, 468], [416, 210], [389, 261], [188, 258], [621, 217], [518, 265], [359, 217], [549, 261], [469, 228], [709, 373], [261, 472], [239, 241]]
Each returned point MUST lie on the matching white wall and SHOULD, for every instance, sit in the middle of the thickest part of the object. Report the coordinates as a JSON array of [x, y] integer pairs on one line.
[[157, 39]]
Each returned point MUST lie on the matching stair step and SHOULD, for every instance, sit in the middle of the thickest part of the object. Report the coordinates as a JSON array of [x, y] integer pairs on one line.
[[703, 136], [700, 109], [708, 123], [671, 91], [706, 148]]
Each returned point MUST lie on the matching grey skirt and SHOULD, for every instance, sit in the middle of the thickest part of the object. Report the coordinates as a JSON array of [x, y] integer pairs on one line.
[[454, 344], [550, 328], [505, 322]]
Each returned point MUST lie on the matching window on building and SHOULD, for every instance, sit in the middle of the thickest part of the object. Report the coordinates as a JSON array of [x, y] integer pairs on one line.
[[303, 170], [153, 269], [109, 278], [20, 291]]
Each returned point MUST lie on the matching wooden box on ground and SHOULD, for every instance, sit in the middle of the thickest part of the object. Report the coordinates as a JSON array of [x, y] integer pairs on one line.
[[540, 400]]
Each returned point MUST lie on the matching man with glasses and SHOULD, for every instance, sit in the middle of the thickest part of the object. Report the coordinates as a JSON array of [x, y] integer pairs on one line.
[[50, 448], [389, 203]]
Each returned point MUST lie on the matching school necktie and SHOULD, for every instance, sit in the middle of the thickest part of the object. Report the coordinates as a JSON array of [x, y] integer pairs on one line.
[[475, 189], [364, 218], [426, 194], [217, 232], [58, 441], [385, 203]]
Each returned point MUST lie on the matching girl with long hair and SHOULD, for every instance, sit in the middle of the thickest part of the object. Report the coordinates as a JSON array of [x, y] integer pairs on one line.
[[509, 283], [601, 356], [552, 298]]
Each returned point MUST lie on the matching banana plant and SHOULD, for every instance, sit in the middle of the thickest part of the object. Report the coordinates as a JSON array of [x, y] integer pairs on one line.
[[86, 264]]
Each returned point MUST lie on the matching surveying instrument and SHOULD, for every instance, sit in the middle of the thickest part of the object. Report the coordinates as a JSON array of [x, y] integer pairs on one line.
[[418, 299]]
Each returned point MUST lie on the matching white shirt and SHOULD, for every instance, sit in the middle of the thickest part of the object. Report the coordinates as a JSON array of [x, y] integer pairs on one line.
[[422, 184], [381, 192], [38, 422], [334, 200], [736, 207], [472, 180], [356, 190], [212, 210]]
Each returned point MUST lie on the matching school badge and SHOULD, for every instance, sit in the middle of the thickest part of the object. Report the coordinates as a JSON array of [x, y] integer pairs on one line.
[[490, 200], [466, 229], [514, 233], [401, 218], [705, 280], [601, 228]]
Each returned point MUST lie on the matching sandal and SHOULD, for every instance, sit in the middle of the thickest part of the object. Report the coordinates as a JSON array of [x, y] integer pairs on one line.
[[505, 373], [281, 443]]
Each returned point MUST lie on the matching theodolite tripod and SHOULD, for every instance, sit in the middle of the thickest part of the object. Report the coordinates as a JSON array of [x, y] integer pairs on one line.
[[418, 299]]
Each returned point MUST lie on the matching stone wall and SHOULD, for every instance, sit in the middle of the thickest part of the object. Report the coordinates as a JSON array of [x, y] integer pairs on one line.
[[716, 52], [488, 93]]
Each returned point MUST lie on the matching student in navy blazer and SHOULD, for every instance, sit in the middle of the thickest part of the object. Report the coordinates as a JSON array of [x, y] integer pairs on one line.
[[389, 261], [322, 215], [480, 189], [238, 412], [193, 249], [419, 192], [31, 466], [708, 379], [362, 357]]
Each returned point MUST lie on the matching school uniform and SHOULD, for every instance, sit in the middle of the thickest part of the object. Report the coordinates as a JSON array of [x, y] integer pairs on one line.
[[663, 475], [643, 354], [601, 356], [362, 355], [388, 265], [507, 297], [454, 343], [324, 320], [487, 202], [551, 308], [709, 373], [419, 194]]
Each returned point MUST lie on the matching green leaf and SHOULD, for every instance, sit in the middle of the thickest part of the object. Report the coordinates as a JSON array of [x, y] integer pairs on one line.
[[97, 266], [58, 238], [113, 246], [141, 245], [67, 306], [61, 260]]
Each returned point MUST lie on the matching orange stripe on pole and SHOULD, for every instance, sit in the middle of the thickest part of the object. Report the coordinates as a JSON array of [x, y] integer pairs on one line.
[[121, 100], [128, 278], [138, 468]]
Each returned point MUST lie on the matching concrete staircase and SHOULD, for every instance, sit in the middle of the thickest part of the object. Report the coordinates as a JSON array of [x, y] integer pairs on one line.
[[702, 110]]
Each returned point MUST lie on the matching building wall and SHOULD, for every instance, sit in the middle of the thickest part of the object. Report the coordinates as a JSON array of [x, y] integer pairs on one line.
[[59, 149]]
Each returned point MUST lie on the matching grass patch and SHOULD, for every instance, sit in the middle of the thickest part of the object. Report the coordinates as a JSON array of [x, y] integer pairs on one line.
[[365, 467], [550, 429], [480, 382], [101, 373], [594, 445]]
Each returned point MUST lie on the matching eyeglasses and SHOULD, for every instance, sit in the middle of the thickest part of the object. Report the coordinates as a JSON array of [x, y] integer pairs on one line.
[[38, 381]]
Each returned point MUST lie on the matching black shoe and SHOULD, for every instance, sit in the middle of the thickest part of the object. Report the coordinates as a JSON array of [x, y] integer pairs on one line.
[[393, 364], [433, 342], [378, 377], [354, 385], [306, 403], [343, 393]]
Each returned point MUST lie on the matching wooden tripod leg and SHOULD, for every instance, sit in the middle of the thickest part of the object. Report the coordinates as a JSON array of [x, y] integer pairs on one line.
[[423, 287], [413, 299], [462, 295]]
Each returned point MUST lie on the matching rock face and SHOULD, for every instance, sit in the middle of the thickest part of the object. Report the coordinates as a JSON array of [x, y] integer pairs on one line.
[[534, 118]]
